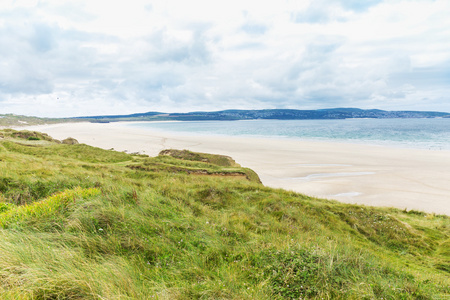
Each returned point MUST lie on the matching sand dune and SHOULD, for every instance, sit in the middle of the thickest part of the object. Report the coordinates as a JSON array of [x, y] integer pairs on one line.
[[352, 173]]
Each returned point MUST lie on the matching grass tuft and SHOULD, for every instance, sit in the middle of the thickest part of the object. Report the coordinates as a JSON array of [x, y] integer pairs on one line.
[[46, 207]]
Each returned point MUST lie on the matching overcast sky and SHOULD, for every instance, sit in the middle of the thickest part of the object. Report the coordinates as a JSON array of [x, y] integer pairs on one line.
[[78, 58]]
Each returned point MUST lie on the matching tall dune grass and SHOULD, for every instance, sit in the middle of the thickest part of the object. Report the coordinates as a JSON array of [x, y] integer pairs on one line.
[[97, 224]]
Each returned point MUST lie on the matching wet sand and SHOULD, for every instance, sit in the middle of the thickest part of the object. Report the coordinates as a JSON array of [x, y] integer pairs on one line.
[[352, 173]]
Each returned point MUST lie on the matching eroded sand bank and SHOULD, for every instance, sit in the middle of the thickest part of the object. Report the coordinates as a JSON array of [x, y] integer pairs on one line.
[[352, 173]]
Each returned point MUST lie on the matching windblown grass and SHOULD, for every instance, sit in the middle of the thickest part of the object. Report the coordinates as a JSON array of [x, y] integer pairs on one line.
[[84, 223], [45, 208]]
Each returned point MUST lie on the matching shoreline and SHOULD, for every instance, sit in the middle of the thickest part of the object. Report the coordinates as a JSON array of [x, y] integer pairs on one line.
[[374, 175], [402, 144]]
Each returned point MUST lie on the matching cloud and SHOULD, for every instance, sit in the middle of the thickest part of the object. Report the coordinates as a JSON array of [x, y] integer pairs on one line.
[[359, 5], [315, 13], [323, 11], [42, 39], [21, 68], [423, 77], [254, 28], [78, 58]]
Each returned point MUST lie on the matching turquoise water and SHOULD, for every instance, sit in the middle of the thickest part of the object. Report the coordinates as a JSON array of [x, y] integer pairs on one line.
[[431, 134]]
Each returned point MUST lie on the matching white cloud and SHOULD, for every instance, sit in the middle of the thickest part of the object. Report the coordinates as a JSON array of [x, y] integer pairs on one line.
[[101, 57]]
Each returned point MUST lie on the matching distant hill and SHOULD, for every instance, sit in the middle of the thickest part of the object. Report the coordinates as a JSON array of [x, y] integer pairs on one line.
[[270, 114], [8, 120]]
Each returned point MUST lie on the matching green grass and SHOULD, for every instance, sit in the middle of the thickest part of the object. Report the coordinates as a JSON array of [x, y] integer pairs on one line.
[[41, 209], [78, 222], [17, 120], [219, 160]]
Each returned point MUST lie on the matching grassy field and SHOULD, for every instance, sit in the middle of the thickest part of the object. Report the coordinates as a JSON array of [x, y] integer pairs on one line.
[[78, 222], [8, 120]]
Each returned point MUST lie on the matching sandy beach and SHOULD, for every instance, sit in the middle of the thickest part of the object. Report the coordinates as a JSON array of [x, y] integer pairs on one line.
[[352, 173]]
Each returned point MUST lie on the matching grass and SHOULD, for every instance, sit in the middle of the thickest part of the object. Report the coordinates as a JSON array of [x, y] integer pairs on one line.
[[48, 207], [9, 120], [79, 222]]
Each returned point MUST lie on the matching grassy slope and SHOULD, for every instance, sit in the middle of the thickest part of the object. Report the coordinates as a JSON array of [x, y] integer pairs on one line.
[[16, 120], [81, 222]]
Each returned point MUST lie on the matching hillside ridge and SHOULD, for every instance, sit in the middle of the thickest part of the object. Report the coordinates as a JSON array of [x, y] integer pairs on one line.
[[269, 114]]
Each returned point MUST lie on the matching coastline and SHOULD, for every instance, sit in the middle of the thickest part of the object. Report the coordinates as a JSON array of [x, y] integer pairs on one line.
[[404, 178]]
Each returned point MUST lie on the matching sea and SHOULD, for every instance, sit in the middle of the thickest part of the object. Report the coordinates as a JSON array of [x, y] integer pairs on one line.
[[429, 133]]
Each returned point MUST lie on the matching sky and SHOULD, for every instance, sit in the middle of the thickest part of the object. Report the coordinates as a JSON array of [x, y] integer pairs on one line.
[[93, 57]]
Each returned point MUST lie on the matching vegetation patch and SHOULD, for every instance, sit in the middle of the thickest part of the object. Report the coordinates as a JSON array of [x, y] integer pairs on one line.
[[43, 208], [169, 162], [220, 160], [70, 141], [78, 222], [26, 135]]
